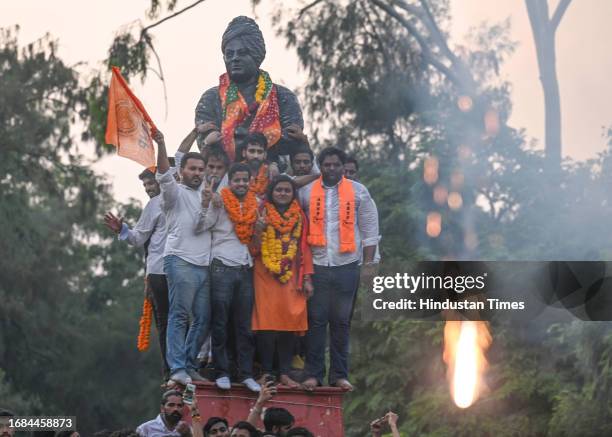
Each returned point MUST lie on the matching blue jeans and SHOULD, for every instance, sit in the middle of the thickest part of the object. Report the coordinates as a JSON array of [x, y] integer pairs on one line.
[[331, 304], [189, 298], [232, 308]]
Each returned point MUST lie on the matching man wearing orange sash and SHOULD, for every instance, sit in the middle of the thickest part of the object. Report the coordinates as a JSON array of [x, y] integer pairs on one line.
[[343, 226]]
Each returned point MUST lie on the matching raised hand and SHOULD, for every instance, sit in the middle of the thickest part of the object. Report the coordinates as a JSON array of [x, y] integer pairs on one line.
[[158, 137], [391, 419], [202, 128], [112, 222], [212, 138], [295, 132], [261, 223], [207, 193], [273, 170]]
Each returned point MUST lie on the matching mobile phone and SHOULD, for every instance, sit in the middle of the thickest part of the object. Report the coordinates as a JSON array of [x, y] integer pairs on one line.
[[270, 378], [189, 394]]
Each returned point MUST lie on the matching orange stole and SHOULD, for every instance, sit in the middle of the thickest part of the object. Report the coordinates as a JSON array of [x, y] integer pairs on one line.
[[346, 212]]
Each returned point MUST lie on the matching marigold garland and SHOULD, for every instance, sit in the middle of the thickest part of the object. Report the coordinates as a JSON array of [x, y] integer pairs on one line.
[[259, 184], [279, 241], [242, 214], [144, 333]]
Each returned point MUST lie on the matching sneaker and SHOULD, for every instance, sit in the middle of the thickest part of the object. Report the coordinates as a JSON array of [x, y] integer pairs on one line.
[[195, 376], [252, 385], [180, 377], [224, 383]]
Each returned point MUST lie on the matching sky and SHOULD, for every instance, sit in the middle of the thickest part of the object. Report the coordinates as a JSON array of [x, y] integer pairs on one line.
[[189, 46]]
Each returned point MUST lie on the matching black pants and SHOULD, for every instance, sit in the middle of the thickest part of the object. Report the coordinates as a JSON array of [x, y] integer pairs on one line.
[[268, 342], [159, 290], [232, 306]]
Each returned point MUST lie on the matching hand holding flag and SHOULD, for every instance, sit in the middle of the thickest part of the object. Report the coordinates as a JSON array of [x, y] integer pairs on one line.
[[128, 125]]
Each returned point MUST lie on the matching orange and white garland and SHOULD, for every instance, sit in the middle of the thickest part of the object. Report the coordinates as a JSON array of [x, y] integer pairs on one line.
[[145, 326], [280, 239], [242, 214]]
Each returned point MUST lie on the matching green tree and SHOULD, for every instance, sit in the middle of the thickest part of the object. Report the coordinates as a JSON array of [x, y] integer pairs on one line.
[[71, 295]]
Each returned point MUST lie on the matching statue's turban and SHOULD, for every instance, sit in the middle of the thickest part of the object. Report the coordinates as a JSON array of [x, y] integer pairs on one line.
[[248, 31]]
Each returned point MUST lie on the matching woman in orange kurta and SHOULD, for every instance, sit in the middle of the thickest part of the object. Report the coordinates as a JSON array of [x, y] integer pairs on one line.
[[283, 267]]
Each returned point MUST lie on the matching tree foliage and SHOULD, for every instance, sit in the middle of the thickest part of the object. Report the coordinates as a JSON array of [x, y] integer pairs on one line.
[[384, 83], [70, 297]]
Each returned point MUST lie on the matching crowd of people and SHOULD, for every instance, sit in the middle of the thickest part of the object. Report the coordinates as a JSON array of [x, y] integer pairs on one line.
[[255, 250], [249, 259], [258, 265], [277, 422]]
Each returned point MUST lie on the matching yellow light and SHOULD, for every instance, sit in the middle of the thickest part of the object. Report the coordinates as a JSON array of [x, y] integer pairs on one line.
[[434, 224], [455, 201], [465, 103], [465, 343]]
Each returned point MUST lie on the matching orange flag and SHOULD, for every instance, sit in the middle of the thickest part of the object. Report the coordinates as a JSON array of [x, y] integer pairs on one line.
[[128, 126]]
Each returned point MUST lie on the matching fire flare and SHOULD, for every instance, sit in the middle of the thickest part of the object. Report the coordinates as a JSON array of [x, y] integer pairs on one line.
[[465, 344]]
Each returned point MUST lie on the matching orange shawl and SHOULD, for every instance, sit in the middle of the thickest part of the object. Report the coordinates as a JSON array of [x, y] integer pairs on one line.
[[346, 212]]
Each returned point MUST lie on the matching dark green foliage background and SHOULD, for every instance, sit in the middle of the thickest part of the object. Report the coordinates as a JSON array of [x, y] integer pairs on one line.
[[70, 295]]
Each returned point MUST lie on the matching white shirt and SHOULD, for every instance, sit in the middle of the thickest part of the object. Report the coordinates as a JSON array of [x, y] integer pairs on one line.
[[366, 224], [226, 246], [182, 205], [156, 428], [151, 224]]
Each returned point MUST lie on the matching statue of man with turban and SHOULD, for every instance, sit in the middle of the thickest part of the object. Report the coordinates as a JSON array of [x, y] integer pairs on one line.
[[246, 100]]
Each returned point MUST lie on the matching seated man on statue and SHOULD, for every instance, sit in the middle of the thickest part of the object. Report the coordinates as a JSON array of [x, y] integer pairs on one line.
[[246, 100]]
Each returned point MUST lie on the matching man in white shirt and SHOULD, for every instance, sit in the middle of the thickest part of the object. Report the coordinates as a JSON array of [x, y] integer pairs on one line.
[[186, 260], [150, 233], [343, 228], [168, 423], [231, 274]]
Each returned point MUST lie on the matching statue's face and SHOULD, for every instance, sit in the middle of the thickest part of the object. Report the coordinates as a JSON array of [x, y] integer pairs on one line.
[[239, 63]]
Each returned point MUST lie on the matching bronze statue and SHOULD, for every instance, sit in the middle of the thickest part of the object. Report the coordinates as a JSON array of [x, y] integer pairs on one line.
[[246, 100]]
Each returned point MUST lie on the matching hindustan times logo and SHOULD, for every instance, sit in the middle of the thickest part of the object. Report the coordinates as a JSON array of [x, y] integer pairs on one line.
[[414, 283]]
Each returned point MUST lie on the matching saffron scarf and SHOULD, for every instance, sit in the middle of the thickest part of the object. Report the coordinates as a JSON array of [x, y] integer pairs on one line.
[[346, 212], [236, 110]]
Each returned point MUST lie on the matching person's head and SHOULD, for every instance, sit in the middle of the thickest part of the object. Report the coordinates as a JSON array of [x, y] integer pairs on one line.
[[149, 183], [172, 406], [5, 430], [281, 191], [254, 151], [331, 163], [216, 427], [217, 163], [299, 432], [351, 168], [244, 429], [278, 420], [243, 49], [192, 169], [238, 177], [301, 161]]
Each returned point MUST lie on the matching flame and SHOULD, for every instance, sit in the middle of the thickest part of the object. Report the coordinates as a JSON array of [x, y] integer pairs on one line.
[[465, 344]]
